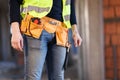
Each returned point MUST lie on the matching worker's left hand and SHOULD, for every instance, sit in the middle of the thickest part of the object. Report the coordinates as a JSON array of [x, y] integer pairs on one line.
[[76, 37]]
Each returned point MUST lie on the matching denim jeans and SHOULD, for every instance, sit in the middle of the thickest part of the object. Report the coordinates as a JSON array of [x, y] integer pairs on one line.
[[37, 51]]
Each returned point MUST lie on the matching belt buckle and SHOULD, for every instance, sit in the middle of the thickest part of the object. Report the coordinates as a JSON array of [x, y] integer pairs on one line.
[[53, 22]]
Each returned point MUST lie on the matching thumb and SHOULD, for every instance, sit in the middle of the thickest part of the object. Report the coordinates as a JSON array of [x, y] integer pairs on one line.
[[21, 43]]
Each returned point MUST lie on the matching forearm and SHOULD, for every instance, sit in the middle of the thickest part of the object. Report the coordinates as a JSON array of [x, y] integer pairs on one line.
[[14, 11], [72, 15]]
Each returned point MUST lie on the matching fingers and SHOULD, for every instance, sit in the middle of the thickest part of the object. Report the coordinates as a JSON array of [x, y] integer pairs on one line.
[[21, 43], [77, 40], [20, 48], [17, 44]]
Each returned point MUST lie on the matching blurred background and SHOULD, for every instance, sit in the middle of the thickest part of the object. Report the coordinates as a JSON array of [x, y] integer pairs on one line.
[[97, 59]]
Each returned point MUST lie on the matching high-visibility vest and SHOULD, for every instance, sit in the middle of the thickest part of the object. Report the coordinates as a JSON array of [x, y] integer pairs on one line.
[[40, 8]]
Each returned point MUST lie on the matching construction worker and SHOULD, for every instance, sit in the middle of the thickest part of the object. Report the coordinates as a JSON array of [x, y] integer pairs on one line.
[[42, 27]]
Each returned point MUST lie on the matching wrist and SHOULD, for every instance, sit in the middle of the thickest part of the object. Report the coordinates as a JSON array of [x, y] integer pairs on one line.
[[15, 27], [74, 29]]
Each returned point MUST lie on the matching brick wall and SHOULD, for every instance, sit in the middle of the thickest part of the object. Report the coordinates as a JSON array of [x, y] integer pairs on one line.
[[111, 12]]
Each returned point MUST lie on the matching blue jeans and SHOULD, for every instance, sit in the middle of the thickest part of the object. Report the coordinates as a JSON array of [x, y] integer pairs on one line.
[[37, 51]]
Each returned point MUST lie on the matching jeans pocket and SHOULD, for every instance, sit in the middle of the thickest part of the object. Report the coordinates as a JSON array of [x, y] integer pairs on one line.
[[33, 43]]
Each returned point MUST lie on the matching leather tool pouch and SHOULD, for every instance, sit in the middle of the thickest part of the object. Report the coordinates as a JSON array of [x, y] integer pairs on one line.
[[50, 28], [30, 28], [62, 36]]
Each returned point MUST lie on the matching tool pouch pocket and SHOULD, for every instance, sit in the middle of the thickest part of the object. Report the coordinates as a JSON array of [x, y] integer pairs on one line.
[[35, 29], [30, 28], [62, 36], [49, 27], [23, 27]]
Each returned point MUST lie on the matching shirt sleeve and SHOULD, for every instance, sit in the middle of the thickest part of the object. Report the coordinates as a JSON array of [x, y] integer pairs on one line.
[[14, 10], [72, 15]]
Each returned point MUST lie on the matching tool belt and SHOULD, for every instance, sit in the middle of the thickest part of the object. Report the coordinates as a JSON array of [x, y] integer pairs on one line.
[[33, 26]]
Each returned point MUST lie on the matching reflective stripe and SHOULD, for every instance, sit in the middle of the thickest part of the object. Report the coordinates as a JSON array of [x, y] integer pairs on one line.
[[68, 2], [67, 17], [34, 8]]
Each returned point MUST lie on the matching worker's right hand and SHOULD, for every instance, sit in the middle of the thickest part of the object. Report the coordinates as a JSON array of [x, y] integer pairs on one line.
[[16, 39]]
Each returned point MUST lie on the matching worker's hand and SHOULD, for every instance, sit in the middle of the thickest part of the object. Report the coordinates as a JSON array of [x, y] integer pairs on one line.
[[16, 39], [76, 37]]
